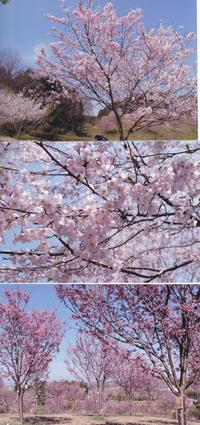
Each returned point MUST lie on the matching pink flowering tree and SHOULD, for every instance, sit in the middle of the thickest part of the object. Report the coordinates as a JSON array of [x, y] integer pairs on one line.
[[162, 322], [7, 399], [39, 391], [62, 395], [28, 340], [99, 212], [142, 77], [16, 109], [107, 123], [92, 361], [131, 374], [103, 366]]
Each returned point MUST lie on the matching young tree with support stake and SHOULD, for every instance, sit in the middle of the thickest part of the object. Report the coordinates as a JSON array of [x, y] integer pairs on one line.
[[28, 340], [162, 322], [142, 77]]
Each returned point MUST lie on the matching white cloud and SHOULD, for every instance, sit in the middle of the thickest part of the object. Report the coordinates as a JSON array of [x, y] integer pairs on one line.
[[32, 57]]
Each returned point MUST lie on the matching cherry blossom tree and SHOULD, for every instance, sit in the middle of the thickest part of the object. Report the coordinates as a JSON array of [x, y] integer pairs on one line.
[[162, 322], [99, 212], [62, 395], [16, 109], [142, 77], [7, 399], [28, 340], [107, 123], [132, 374], [39, 390], [92, 361]]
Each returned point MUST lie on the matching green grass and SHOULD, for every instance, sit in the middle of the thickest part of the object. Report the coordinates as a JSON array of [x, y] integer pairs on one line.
[[97, 417], [182, 131], [66, 137]]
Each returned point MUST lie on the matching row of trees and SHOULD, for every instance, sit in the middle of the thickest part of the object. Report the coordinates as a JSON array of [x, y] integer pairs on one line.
[[30, 338], [54, 397], [161, 322], [99, 212], [42, 396], [140, 338], [111, 372]]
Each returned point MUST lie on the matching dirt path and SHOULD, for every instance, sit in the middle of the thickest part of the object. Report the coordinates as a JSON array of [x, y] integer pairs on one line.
[[89, 420], [7, 139], [119, 420]]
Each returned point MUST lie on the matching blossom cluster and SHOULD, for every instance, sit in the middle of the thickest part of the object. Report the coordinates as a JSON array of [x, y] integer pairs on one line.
[[98, 212]]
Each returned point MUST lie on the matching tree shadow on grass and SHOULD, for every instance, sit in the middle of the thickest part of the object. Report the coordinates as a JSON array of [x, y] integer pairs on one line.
[[45, 420], [149, 422], [118, 423], [163, 423]]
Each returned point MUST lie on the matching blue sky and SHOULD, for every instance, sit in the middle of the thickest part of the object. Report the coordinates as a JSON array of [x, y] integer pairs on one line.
[[44, 297], [23, 27]]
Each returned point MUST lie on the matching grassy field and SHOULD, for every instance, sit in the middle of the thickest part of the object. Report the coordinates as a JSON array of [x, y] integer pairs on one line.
[[182, 131], [89, 420]]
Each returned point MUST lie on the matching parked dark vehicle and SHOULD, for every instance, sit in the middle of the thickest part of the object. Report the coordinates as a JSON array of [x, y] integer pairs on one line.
[[101, 138]]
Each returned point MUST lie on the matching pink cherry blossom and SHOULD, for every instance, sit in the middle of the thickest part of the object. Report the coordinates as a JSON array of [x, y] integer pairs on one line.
[[28, 340], [144, 78], [161, 322], [99, 212], [16, 109]]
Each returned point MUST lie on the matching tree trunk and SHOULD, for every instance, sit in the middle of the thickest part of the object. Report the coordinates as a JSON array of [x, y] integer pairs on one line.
[[120, 129], [99, 403], [20, 130], [121, 137], [20, 400], [181, 409]]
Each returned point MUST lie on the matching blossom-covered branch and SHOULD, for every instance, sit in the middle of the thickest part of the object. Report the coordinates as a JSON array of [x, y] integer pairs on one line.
[[85, 212]]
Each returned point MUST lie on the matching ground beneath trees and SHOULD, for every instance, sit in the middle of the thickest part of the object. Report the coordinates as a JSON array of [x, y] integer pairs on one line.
[[184, 130], [7, 139], [72, 419]]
